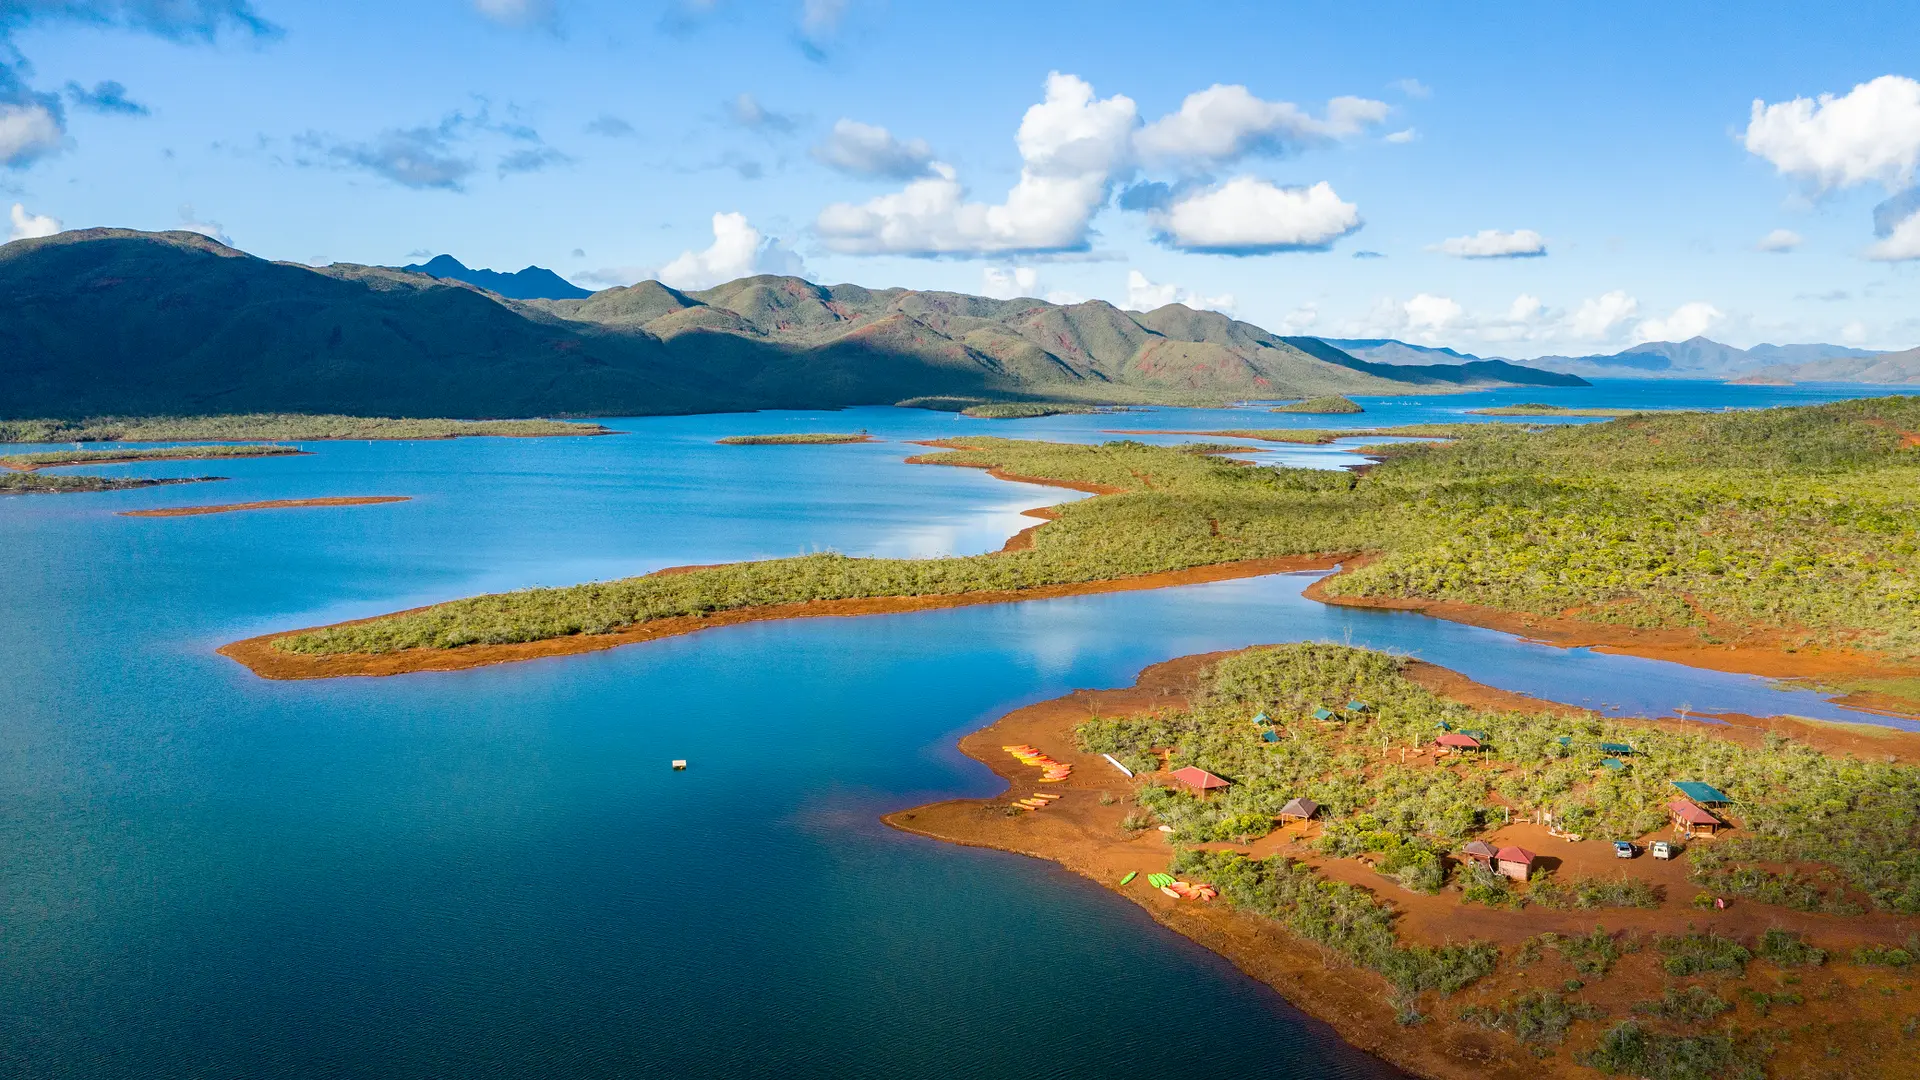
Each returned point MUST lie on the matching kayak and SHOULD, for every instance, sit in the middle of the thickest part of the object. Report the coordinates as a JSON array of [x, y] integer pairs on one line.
[[1131, 874], [1170, 892]]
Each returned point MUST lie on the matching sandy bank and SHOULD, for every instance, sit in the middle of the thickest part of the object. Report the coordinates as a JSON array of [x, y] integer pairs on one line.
[[1082, 832], [275, 504], [81, 463]]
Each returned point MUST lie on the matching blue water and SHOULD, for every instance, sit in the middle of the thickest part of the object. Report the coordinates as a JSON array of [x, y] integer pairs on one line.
[[494, 872]]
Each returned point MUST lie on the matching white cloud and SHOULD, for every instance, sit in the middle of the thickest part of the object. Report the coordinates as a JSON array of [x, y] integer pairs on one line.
[[1247, 216], [739, 250], [1071, 144], [1224, 123], [1300, 319], [1853, 333], [1413, 88], [191, 222], [1429, 314], [1494, 244], [1404, 136], [516, 12], [1145, 295], [1524, 308], [26, 226], [867, 150], [1687, 321], [1871, 134], [1599, 317], [28, 131], [1004, 283], [1780, 240], [1065, 297], [1901, 242], [748, 111]]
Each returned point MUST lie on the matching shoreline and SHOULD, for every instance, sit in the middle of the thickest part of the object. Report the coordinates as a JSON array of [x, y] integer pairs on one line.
[[1081, 833], [88, 463], [272, 504]]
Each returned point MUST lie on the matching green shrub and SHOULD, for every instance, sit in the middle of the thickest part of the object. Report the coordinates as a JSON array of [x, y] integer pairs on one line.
[[1694, 1005], [1630, 1049], [1542, 1017], [1785, 948], [1695, 953]]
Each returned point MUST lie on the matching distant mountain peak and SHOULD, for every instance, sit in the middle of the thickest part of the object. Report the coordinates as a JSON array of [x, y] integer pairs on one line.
[[533, 283]]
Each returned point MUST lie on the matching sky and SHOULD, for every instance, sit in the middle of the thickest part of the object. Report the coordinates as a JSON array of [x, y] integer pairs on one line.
[[1504, 179]]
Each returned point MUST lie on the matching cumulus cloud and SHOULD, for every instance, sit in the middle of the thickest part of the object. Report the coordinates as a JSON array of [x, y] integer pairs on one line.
[[1779, 240], [1005, 283], [1250, 216], [747, 111], [1413, 88], [107, 96], [1687, 321], [1071, 144], [27, 226], [29, 131], [1599, 317], [1899, 243], [1871, 134], [1145, 295], [1405, 135], [867, 150], [191, 222], [738, 250], [1495, 244], [1222, 124]]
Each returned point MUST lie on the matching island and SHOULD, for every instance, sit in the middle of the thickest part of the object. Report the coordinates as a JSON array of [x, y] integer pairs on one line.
[[271, 504], [1470, 883], [127, 456], [1331, 405], [1777, 542], [1535, 408], [285, 426], [34, 483], [803, 439]]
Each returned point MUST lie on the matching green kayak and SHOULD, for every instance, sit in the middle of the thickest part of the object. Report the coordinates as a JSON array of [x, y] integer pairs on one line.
[[1131, 874]]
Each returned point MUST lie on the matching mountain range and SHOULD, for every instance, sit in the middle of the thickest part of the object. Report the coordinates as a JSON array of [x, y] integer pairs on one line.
[[114, 321], [1695, 358], [533, 283]]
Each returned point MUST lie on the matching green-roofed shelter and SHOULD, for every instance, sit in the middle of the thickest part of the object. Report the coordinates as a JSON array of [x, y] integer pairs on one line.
[[1323, 714], [1614, 763], [1263, 718], [1615, 748], [1704, 794], [1356, 706]]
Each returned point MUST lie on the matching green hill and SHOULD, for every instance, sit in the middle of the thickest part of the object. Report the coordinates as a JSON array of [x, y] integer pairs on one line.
[[118, 322]]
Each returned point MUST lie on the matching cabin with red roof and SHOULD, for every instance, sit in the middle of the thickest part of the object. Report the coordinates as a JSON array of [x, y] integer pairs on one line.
[[1454, 740], [1479, 853], [1514, 862], [1200, 780], [1691, 820]]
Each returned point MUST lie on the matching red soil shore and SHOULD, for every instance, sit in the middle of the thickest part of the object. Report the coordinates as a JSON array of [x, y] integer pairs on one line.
[[1082, 833], [276, 504], [15, 466]]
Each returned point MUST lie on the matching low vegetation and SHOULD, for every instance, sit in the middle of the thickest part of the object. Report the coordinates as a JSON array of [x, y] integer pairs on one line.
[[1800, 523], [1693, 1005], [813, 438], [273, 426], [19, 483], [1858, 819], [1534, 408], [1021, 410], [1630, 1048], [1542, 1017], [52, 458], [1331, 405]]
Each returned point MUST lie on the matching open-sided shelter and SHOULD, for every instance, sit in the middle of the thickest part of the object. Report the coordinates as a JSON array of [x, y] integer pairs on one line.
[[1455, 740], [1703, 794], [1298, 810], [1199, 780]]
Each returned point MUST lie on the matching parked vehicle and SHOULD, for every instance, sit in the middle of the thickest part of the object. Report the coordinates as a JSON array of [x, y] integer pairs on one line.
[[1662, 849], [1624, 849]]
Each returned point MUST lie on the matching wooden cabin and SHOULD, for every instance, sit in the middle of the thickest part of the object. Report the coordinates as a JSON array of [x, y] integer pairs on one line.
[[1298, 810], [1692, 820], [1479, 853], [1199, 780], [1514, 862]]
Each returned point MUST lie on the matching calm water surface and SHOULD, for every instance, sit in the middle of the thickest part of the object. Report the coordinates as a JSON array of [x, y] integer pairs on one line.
[[494, 872]]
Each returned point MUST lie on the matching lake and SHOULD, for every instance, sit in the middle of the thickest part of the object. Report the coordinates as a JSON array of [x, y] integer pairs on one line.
[[494, 872]]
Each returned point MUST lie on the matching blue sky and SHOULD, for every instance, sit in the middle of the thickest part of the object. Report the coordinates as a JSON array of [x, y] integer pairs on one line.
[[1379, 170]]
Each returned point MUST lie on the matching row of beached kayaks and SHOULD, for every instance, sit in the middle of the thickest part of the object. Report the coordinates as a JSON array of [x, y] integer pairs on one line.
[[1051, 771], [1039, 800], [1179, 890]]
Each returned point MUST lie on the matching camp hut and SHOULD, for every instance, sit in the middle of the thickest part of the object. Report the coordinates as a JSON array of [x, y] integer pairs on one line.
[[1262, 720], [1356, 706], [1692, 820], [1298, 810], [1270, 735], [1323, 713], [1514, 862], [1200, 780], [1479, 853], [1702, 794], [1458, 741], [1613, 763], [1617, 749]]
